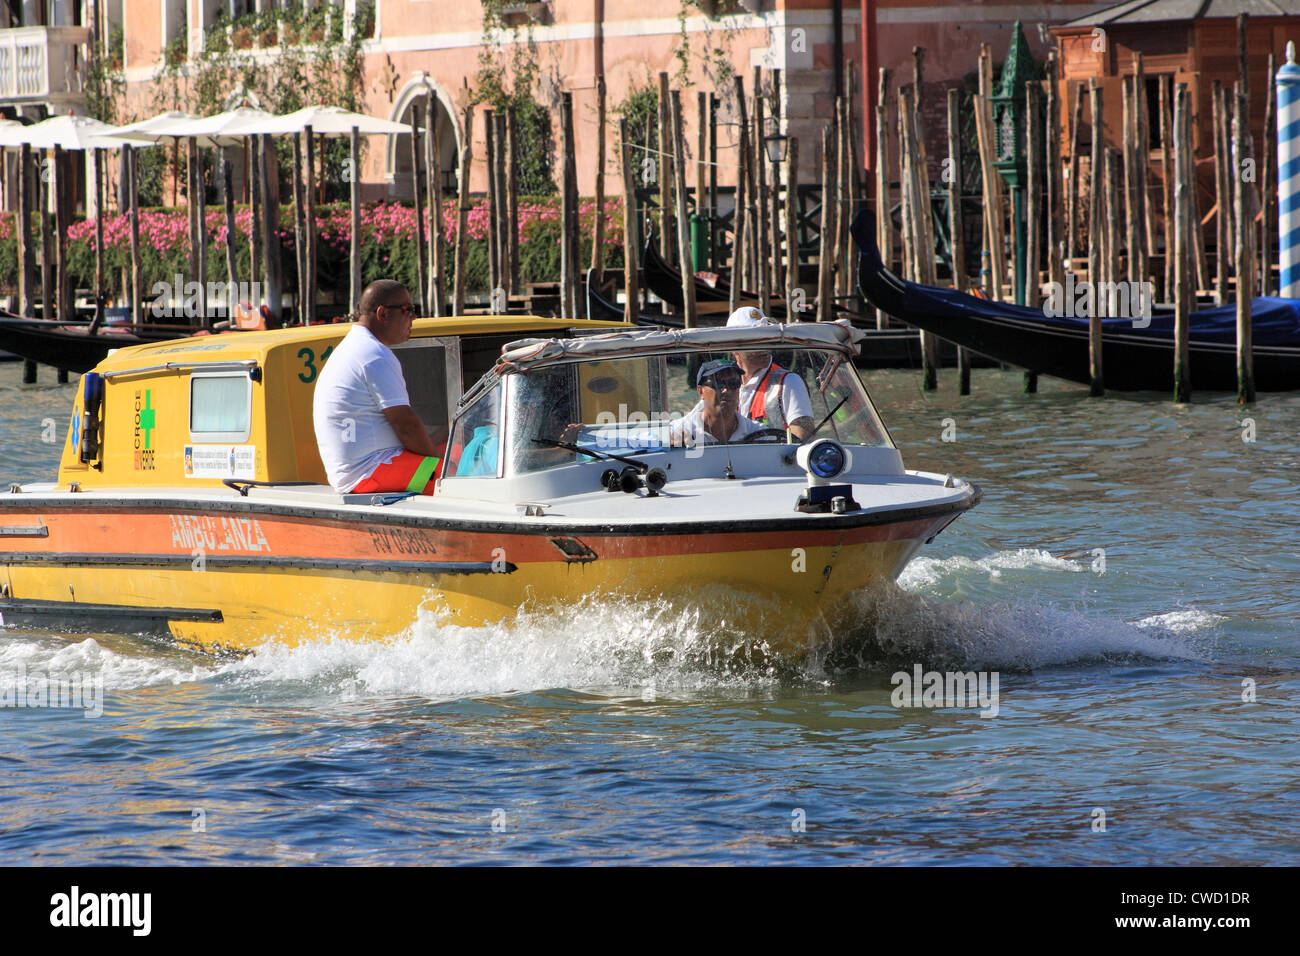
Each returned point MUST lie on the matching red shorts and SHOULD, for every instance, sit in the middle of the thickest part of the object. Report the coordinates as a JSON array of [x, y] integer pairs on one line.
[[401, 473]]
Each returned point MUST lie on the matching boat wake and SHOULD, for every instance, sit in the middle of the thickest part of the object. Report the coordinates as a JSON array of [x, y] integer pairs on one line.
[[650, 649], [894, 628]]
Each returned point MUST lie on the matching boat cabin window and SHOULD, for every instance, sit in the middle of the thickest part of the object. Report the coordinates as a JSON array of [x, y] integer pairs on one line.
[[628, 405], [221, 407], [431, 367], [473, 450]]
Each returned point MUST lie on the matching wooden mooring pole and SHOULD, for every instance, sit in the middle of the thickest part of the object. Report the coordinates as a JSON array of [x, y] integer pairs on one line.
[[740, 257], [884, 217], [1033, 209], [299, 231], [683, 220], [793, 293], [1268, 187], [494, 214], [598, 226], [354, 203], [461, 284], [433, 304], [1178, 229], [1244, 253], [665, 172], [759, 168], [1222, 195], [574, 304], [631, 272], [1095, 232], [956, 228], [779, 285], [436, 298], [825, 289], [26, 252]]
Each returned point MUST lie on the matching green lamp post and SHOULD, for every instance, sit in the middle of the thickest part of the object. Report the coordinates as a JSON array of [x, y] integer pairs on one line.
[[1009, 134]]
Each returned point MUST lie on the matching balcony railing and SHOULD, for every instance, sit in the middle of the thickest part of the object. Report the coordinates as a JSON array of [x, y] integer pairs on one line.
[[43, 64]]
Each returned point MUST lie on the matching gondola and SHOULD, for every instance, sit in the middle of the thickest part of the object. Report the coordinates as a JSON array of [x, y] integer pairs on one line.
[[665, 280], [601, 308], [71, 345], [1133, 358], [663, 274]]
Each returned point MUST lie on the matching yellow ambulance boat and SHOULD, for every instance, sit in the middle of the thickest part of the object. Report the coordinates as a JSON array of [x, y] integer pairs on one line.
[[191, 500]]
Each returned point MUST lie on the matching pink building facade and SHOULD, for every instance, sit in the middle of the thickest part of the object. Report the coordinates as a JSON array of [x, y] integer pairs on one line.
[[419, 45]]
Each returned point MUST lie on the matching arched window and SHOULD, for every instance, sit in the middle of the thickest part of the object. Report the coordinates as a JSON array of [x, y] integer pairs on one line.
[[397, 156]]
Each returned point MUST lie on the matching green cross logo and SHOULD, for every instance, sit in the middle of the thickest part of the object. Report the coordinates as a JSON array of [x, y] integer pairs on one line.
[[147, 420]]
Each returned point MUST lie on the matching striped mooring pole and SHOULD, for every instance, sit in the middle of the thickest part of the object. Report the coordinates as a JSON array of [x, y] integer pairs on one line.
[[1288, 178]]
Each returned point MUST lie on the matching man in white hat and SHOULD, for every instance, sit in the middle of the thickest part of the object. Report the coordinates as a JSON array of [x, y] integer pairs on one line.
[[771, 395]]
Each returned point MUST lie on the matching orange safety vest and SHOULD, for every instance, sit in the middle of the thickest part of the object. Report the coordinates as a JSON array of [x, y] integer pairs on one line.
[[758, 404]]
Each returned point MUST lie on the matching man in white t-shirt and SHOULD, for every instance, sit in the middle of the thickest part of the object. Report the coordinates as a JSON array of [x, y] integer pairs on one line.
[[771, 395], [369, 437], [715, 419]]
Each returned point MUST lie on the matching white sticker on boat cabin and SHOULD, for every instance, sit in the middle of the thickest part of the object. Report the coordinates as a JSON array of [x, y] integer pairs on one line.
[[221, 461]]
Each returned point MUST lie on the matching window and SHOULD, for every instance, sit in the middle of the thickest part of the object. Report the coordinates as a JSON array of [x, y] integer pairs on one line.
[[474, 449], [175, 23], [221, 407]]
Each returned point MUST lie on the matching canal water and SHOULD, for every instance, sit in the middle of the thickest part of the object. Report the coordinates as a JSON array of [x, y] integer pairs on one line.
[[1131, 577]]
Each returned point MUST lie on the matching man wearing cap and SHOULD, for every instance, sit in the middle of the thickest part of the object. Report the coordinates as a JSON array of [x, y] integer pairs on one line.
[[715, 419], [370, 439], [770, 395]]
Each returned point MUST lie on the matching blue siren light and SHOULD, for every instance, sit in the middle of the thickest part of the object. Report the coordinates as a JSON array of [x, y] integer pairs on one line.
[[827, 460]]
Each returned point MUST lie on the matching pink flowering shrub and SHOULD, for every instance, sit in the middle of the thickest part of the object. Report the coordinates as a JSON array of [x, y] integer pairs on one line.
[[388, 247]]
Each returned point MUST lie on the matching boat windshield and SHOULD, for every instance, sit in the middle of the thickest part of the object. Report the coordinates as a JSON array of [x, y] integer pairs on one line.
[[652, 402]]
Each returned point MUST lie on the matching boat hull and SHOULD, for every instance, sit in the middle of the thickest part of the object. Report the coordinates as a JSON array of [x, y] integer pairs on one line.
[[229, 576]]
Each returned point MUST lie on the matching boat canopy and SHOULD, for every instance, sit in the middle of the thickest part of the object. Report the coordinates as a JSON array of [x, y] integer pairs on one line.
[[527, 354]]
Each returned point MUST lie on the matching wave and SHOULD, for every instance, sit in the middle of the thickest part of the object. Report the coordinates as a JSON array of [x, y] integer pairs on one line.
[[655, 648]]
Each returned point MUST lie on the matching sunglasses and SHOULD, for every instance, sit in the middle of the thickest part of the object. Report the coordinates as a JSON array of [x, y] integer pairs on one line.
[[730, 382], [408, 309]]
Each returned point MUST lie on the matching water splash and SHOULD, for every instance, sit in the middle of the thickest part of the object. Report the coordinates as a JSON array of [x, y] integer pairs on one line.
[[125, 665], [657, 648], [891, 627]]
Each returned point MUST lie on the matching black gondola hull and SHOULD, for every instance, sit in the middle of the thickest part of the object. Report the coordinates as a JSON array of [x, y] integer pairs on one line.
[[1133, 358], [70, 346]]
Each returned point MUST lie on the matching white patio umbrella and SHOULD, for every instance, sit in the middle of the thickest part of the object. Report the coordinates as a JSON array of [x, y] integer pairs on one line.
[[220, 130], [223, 129], [8, 133], [144, 130], [328, 121], [138, 135], [334, 121], [75, 133], [11, 137]]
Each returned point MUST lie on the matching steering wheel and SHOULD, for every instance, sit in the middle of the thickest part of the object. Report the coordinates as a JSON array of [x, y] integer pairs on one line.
[[763, 434]]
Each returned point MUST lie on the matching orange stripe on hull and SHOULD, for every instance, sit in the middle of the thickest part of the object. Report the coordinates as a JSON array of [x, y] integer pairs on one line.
[[266, 535]]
